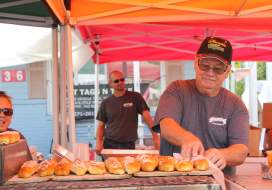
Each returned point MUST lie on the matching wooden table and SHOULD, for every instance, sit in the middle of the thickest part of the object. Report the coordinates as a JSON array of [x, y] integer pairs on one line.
[[249, 182], [146, 183], [250, 176]]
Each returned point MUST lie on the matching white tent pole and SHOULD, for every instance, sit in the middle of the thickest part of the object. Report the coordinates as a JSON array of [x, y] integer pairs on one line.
[[253, 105], [227, 83], [268, 70], [162, 76], [56, 137], [96, 86], [232, 81], [136, 81], [70, 87], [136, 73], [63, 81]]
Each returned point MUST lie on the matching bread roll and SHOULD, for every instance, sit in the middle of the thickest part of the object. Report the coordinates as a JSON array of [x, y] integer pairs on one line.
[[14, 136], [130, 164], [9, 137], [96, 168], [184, 166], [46, 168], [4, 138], [114, 166], [148, 162], [78, 167], [63, 167], [166, 163], [28, 169], [201, 164]]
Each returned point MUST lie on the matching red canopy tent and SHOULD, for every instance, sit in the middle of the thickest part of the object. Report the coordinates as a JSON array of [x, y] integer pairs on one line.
[[169, 29], [175, 41]]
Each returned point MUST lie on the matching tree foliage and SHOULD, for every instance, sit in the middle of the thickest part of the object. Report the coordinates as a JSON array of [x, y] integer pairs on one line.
[[240, 85], [261, 75], [261, 71]]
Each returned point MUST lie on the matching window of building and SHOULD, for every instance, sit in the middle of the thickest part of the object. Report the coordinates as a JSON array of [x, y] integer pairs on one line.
[[37, 80]]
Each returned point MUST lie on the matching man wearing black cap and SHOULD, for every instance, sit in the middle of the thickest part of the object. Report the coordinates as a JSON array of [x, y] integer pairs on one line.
[[200, 117]]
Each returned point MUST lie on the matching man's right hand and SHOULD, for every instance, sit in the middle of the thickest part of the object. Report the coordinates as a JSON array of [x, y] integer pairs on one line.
[[99, 146], [173, 132], [191, 146]]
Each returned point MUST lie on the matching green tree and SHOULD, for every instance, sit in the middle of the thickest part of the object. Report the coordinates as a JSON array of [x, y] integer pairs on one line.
[[261, 71], [240, 85]]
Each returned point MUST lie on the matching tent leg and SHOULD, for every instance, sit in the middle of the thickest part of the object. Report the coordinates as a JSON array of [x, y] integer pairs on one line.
[[70, 87], [63, 92], [56, 130]]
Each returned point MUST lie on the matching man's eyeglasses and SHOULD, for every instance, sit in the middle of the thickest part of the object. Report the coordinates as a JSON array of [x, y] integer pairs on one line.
[[119, 80], [217, 69], [6, 111]]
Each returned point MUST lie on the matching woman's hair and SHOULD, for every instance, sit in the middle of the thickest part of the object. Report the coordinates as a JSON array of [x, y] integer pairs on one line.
[[4, 95]]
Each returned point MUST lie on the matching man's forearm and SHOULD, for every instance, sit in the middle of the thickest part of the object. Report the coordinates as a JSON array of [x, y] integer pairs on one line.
[[235, 154], [100, 133], [172, 132], [148, 119], [150, 123]]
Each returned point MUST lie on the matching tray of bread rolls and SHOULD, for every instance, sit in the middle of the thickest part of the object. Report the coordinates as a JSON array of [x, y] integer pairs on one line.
[[112, 168], [122, 167], [30, 173], [33, 179], [169, 166]]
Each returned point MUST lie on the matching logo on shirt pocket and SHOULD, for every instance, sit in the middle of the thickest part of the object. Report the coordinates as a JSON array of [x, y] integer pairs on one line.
[[217, 121], [128, 105]]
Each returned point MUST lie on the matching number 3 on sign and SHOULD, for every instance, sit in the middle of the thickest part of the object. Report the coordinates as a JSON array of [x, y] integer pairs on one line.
[[13, 75], [6, 76]]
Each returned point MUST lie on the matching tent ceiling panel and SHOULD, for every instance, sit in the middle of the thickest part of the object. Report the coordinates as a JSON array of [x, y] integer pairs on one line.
[[174, 41], [94, 12]]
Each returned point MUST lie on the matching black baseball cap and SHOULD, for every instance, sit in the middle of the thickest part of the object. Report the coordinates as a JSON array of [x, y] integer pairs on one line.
[[218, 47]]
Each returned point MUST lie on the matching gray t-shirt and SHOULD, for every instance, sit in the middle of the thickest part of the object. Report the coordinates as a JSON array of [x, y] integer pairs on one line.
[[120, 115], [218, 121]]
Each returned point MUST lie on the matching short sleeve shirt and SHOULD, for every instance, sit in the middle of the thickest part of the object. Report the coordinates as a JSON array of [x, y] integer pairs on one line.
[[120, 115], [218, 121]]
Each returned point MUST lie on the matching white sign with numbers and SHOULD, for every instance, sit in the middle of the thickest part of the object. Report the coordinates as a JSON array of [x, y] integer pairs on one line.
[[13, 75]]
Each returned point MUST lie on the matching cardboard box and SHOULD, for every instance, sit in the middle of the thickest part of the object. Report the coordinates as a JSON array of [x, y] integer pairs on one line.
[[267, 115], [12, 156], [254, 141]]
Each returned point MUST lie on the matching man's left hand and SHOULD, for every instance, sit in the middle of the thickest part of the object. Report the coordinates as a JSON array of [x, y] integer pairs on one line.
[[216, 157]]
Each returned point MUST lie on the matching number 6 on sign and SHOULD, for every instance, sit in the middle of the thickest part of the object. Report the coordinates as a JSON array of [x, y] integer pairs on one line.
[[20, 75]]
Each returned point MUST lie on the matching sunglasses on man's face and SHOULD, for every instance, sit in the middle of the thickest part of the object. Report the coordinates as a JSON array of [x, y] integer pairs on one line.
[[219, 68], [119, 80], [6, 111]]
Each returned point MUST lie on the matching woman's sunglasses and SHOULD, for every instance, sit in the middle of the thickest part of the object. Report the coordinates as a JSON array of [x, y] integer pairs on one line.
[[6, 111], [119, 80]]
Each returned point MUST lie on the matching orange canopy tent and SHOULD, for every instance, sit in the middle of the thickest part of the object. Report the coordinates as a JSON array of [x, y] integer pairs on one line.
[[169, 29]]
